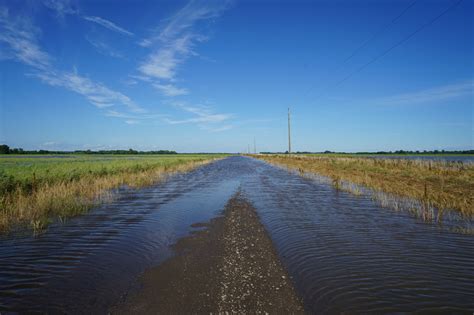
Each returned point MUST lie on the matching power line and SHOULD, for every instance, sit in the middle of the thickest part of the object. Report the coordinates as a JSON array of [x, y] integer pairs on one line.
[[370, 39], [376, 34], [399, 43]]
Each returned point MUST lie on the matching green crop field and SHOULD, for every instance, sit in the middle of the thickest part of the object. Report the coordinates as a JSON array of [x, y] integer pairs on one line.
[[33, 188]]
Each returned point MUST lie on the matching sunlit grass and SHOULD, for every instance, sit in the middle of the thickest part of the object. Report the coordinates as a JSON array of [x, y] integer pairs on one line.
[[434, 184], [35, 190]]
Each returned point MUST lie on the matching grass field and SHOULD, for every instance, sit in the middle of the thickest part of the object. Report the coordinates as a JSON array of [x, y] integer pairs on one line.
[[36, 189], [386, 155], [440, 184]]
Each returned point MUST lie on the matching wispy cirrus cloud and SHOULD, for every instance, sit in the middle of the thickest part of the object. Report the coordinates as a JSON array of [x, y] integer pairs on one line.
[[19, 37], [217, 129], [161, 65], [107, 24], [104, 48], [175, 43], [61, 7], [185, 19], [200, 119], [64, 7], [132, 122], [202, 116], [170, 90], [133, 116], [432, 95], [173, 46], [170, 47], [50, 143], [96, 93]]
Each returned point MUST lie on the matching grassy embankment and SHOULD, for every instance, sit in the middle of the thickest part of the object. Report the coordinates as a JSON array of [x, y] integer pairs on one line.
[[388, 155], [435, 184], [34, 190]]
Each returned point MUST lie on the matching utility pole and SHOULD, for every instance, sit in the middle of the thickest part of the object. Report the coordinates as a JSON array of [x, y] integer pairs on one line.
[[254, 146], [289, 133], [248, 148]]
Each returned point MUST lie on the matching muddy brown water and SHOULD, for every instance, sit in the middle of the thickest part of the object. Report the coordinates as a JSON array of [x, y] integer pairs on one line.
[[344, 252]]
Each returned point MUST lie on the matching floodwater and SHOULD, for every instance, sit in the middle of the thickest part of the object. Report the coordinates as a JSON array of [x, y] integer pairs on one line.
[[345, 253]]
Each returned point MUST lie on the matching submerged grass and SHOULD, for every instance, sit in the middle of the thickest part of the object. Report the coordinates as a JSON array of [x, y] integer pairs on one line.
[[35, 190], [434, 184]]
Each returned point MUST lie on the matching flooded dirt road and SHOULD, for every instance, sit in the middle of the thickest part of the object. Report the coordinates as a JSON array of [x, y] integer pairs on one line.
[[344, 253], [229, 268]]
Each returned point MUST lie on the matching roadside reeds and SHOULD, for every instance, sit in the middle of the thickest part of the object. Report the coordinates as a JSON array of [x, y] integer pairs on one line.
[[58, 190], [439, 185]]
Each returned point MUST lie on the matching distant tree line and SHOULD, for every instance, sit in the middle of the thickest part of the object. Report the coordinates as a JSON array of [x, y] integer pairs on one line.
[[5, 149], [129, 151]]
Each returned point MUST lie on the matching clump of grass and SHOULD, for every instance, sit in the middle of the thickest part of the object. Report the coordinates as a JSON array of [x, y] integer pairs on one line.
[[440, 185], [35, 191]]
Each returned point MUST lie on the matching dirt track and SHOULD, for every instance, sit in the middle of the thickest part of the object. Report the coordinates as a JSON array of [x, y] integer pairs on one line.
[[229, 267]]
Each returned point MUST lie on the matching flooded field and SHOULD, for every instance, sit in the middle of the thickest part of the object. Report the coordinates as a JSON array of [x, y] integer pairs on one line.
[[344, 252], [448, 158]]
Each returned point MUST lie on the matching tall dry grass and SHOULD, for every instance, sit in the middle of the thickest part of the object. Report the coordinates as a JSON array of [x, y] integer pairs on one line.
[[62, 199], [439, 184]]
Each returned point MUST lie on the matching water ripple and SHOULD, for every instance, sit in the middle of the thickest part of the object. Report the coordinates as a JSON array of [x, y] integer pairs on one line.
[[345, 253]]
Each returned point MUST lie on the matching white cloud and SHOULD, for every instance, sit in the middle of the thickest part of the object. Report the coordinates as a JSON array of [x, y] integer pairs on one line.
[[170, 90], [20, 40], [171, 46], [139, 116], [204, 113], [64, 7], [114, 113], [19, 37], [103, 48], [50, 143], [184, 20], [437, 94], [217, 129], [96, 93], [160, 65], [107, 24], [202, 116], [175, 42], [131, 122], [213, 118]]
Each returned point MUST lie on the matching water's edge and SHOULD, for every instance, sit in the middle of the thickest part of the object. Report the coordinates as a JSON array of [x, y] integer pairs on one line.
[[344, 252]]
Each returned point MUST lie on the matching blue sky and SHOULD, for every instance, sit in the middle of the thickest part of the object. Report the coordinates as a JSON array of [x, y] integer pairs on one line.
[[197, 76]]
